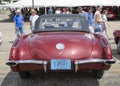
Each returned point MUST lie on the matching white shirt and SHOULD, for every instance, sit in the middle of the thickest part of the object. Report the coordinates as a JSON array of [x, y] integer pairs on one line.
[[96, 24], [104, 17], [32, 20], [57, 12], [104, 25], [66, 12]]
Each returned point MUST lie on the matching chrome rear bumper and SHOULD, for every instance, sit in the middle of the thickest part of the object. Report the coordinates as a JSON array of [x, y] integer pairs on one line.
[[107, 62], [13, 63]]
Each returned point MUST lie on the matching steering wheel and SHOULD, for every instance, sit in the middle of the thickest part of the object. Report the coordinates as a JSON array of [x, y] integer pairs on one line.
[[47, 26]]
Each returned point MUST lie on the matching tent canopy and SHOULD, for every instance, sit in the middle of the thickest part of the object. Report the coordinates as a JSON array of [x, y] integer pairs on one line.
[[63, 3]]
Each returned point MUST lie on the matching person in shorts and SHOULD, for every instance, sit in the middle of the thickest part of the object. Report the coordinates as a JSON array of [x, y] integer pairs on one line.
[[104, 25], [18, 23], [98, 20]]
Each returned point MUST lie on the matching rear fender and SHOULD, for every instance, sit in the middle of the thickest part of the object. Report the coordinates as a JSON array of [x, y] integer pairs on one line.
[[20, 48], [101, 47], [107, 52]]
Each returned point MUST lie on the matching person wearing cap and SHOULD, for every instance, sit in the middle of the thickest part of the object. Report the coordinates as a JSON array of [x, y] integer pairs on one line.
[[90, 19], [18, 23], [82, 12], [98, 20], [33, 18]]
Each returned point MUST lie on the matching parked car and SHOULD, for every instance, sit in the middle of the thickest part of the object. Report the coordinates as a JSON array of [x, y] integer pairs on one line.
[[110, 15], [60, 43], [116, 35]]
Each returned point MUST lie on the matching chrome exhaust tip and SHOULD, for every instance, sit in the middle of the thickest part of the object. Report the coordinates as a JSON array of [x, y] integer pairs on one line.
[[110, 62], [11, 64]]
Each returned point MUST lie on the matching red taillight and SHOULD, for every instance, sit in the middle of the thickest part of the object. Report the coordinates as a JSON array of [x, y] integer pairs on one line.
[[108, 52]]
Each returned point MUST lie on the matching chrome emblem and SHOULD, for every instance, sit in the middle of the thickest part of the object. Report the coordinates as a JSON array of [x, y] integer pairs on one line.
[[60, 46]]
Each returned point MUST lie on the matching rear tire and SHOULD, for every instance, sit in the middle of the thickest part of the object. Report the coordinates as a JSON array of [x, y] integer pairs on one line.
[[24, 75], [98, 74], [118, 46]]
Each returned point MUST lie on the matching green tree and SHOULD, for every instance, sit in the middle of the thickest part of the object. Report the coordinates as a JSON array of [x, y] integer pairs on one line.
[[5, 0]]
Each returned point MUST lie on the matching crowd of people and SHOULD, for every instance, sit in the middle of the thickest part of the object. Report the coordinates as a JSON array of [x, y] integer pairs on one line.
[[19, 21], [97, 20]]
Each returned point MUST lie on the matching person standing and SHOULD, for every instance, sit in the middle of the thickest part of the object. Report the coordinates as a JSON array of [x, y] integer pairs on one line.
[[50, 10], [82, 12], [18, 23], [98, 20], [104, 25], [65, 11], [58, 11], [90, 19], [33, 18]]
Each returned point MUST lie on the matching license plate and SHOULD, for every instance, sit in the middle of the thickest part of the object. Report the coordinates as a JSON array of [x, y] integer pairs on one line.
[[60, 64]]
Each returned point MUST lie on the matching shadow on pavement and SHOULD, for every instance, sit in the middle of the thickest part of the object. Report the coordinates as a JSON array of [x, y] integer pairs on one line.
[[51, 79], [6, 20]]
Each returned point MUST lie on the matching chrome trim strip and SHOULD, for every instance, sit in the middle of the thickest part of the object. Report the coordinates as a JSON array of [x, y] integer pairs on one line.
[[93, 61], [28, 61], [76, 61]]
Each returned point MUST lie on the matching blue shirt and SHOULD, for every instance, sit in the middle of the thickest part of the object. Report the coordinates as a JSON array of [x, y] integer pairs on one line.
[[84, 14], [90, 18], [50, 11], [18, 19]]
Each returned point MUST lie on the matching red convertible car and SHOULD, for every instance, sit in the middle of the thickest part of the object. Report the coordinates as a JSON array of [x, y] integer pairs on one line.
[[111, 15], [116, 34], [60, 43]]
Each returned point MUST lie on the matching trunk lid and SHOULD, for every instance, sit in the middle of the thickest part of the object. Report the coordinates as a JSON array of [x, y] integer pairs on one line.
[[61, 45]]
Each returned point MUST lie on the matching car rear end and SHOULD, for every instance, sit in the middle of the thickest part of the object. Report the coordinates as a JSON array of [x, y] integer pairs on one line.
[[68, 51]]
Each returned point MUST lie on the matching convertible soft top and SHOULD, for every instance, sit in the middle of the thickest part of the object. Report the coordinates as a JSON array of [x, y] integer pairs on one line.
[[57, 18]]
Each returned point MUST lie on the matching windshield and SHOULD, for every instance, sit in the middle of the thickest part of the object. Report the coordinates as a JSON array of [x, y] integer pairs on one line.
[[61, 24]]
